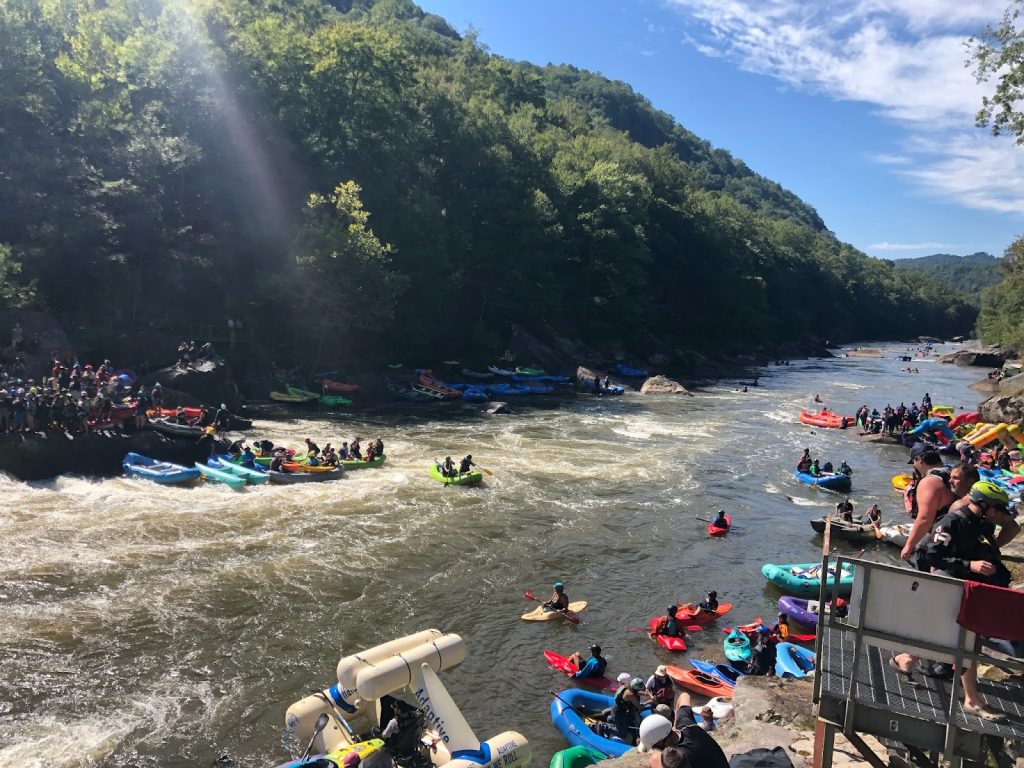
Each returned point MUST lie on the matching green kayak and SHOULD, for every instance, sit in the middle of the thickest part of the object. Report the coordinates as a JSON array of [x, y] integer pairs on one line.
[[579, 756], [328, 400], [466, 478], [264, 461], [357, 464], [804, 579], [220, 476], [530, 371]]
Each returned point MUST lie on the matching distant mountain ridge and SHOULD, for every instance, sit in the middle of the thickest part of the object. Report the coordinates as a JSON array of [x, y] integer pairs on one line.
[[968, 275]]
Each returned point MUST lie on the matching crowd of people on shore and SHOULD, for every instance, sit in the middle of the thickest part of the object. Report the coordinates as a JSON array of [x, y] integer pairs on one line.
[[893, 421]]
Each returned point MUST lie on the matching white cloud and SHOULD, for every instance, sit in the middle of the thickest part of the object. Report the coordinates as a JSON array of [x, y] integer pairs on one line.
[[885, 246], [905, 57]]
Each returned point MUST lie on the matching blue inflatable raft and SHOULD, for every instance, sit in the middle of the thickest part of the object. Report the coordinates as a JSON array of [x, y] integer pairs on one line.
[[793, 661], [163, 472], [832, 482]]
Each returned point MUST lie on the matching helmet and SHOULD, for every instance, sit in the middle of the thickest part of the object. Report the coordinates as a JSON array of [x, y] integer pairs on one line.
[[595, 649], [713, 593], [840, 603], [559, 586], [209, 430], [636, 684], [985, 491], [623, 678], [671, 610], [654, 729]]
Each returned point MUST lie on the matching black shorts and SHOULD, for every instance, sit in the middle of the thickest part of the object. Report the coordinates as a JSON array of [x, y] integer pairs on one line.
[[684, 717]]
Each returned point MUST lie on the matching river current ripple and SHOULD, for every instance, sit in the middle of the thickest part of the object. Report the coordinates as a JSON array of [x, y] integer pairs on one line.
[[145, 626]]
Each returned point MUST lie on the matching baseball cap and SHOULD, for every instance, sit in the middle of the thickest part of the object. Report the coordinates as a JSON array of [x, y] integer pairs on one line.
[[624, 678], [919, 449], [654, 729]]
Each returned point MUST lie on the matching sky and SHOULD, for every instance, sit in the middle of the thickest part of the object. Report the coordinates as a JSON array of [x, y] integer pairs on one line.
[[863, 108]]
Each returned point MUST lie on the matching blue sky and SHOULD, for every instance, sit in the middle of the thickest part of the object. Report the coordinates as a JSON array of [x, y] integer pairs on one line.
[[863, 108]]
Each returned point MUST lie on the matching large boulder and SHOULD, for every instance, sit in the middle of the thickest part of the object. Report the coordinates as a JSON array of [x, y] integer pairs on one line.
[[1004, 407], [987, 357], [208, 382], [662, 385], [41, 336]]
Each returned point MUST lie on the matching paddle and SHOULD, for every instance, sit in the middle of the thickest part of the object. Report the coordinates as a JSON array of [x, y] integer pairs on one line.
[[318, 727], [486, 471], [571, 617]]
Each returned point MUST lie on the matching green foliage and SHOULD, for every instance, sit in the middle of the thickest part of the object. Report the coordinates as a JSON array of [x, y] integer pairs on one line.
[[13, 292], [999, 52], [1001, 320], [175, 163], [965, 275]]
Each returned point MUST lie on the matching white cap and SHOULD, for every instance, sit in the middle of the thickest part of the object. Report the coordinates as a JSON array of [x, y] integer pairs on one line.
[[653, 729], [624, 678]]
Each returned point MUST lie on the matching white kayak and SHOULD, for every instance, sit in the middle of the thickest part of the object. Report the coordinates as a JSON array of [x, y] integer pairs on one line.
[[895, 534], [539, 614]]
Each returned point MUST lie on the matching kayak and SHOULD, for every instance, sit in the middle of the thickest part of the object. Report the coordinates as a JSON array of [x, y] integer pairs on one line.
[[284, 397], [362, 464], [895, 534], [476, 374], [338, 387], [294, 466], [465, 478], [264, 461], [857, 533], [805, 578], [714, 530], [697, 620], [666, 641], [220, 476], [474, 395], [900, 482], [793, 661], [579, 756], [830, 481], [698, 682], [500, 371], [163, 472], [737, 646], [574, 710], [630, 373], [724, 672], [293, 478], [721, 707], [530, 371], [507, 389], [328, 400], [562, 664], [251, 476], [539, 614], [825, 418]]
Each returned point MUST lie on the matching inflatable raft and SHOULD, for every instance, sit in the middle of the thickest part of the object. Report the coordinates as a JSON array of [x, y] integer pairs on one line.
[[830, 481], [575, 757], [362, 464], [215, 475], [163, 472], [805, 578], [294, 478], [572, 713], [824, 418], [473, 477]]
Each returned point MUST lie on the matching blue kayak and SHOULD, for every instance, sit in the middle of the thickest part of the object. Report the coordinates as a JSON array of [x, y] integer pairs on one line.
[[474, 394], [163, 472], [724, 672], [630, 373], [832, 482], [793, 661], [568, 708], [507, 389]]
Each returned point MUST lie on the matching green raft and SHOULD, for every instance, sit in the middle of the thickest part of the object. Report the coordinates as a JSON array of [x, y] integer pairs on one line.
[[220, 476], [358, 464], [466, 478], [579, 756], [329, 400], [804, 579]]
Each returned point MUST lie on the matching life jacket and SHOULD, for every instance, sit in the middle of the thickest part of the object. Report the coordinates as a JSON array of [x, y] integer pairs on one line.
[[910, 500]]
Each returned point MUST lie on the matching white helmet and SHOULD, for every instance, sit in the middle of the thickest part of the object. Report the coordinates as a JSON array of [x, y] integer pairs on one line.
[[653, 729]]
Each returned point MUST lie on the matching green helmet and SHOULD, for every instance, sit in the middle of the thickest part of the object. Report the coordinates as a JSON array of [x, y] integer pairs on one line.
[[985, 491]]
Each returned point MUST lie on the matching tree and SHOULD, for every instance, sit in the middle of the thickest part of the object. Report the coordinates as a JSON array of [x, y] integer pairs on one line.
[[999, 52]]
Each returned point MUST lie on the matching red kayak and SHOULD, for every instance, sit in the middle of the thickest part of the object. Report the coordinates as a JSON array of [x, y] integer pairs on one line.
[[714, 530], [666, 641], [338, 387], [562, 664], [697, 620], [698, 682]]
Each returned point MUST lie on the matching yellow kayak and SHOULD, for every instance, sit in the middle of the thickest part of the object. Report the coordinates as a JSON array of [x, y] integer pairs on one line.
[[539, 614], [900, 482]]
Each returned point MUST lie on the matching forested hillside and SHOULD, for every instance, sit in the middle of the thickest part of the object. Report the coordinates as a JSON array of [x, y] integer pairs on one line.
[[969, 275], [357, 179]]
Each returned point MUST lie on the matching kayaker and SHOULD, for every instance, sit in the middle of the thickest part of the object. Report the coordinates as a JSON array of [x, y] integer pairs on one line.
[[780, 629], [817, 399], [447, 468], [659, 686], [928, 497], [720, 521], [592, 667], [312, 449], [668, 625], [684, 744], [845, 510], [465, 464], [330, 457], [248, 457], [559, 601], [356, 452], [762, 655], [708, 605], [845, 469]]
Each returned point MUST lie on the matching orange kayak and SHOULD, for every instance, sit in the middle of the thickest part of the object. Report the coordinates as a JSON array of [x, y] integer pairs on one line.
[[698, 682]]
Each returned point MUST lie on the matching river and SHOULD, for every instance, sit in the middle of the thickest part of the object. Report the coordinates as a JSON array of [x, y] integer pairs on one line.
[[144, 626]]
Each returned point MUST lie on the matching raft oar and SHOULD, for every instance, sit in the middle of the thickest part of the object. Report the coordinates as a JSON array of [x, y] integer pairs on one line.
[[486, 471], [571, 617]]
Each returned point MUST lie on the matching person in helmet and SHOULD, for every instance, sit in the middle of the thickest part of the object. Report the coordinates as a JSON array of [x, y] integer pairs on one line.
[[720, 521], [625, 714], [763, 655], [668, 624], [222, 418], [559, 601], [708, 605], [592, 667]]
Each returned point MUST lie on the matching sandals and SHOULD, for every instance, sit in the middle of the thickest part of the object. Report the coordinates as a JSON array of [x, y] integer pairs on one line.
[[992, 715], [908, 677]]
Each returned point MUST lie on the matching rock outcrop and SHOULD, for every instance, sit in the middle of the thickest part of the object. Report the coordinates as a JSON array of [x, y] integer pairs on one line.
[[208, 382], [41, 336], [662, 385], [1004, 406], [988, 357], [40, 456]]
